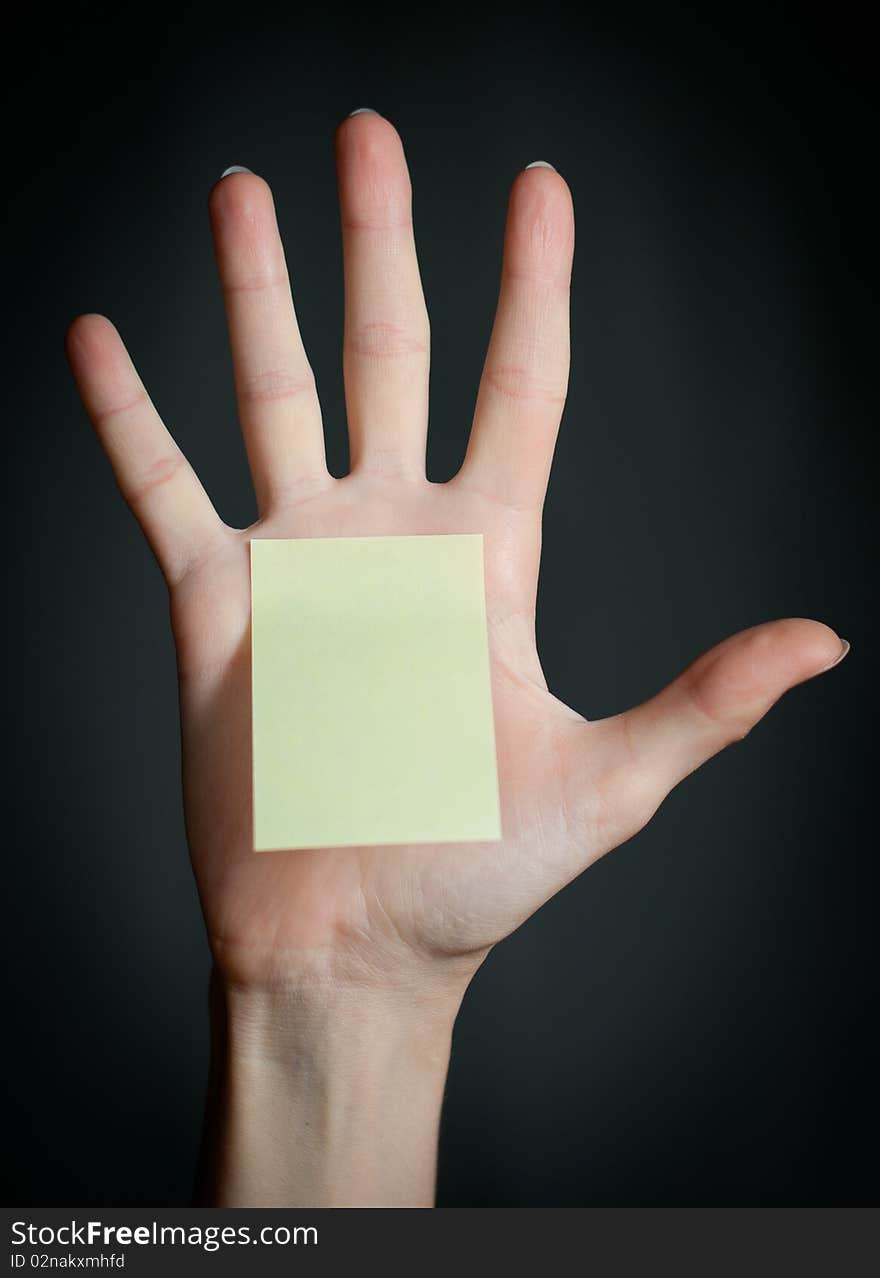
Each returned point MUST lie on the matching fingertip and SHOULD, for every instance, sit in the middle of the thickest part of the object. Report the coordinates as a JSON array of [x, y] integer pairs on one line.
[[836, 646], [812, 646], [540, 224], [844, 651], [375, 190], [243, 194], [740, 679], [363, 121], [539, 176], [87, 332], [368, 138]]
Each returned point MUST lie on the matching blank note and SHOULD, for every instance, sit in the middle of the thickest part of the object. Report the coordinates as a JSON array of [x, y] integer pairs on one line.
[[372, 706]]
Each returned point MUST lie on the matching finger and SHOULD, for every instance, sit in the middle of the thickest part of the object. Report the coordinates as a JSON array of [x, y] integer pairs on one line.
[[719, 699], [525, 377], [277, 401], [153, 475], [386, 348]]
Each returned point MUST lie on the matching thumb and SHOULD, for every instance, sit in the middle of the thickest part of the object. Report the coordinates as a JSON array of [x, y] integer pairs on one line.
[[723, 694]]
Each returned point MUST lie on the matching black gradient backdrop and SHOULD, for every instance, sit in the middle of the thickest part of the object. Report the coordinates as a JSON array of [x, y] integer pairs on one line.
[[687, 1023]]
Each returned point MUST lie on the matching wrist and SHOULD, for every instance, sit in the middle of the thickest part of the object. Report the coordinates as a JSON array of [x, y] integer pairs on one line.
[[327, 1094], [338, 1030]]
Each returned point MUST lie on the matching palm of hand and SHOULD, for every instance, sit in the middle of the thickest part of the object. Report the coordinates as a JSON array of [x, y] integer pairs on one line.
[[570, 791], [360, 905]]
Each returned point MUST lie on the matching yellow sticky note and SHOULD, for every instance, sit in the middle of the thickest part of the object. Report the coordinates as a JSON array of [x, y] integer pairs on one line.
[[372, 704]]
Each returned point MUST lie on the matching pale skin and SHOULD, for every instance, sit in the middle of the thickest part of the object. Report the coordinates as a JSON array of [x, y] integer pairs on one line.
[[338, 972]]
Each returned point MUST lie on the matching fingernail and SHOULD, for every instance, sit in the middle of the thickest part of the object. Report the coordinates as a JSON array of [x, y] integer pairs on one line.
[[837, 660], [540, 164], [362, 111], [234, 168]]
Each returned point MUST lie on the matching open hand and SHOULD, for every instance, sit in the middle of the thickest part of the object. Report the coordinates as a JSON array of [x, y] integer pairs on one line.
[[570, 790]]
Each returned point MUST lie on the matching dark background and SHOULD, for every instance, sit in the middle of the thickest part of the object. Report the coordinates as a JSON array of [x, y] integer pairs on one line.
[[687, 1023]]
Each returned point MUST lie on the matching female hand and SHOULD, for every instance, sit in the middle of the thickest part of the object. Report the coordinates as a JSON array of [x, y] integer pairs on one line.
[[399, 926]]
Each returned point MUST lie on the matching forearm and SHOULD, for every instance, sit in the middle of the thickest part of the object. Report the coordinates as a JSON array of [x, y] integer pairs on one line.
[[324, 1098]]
